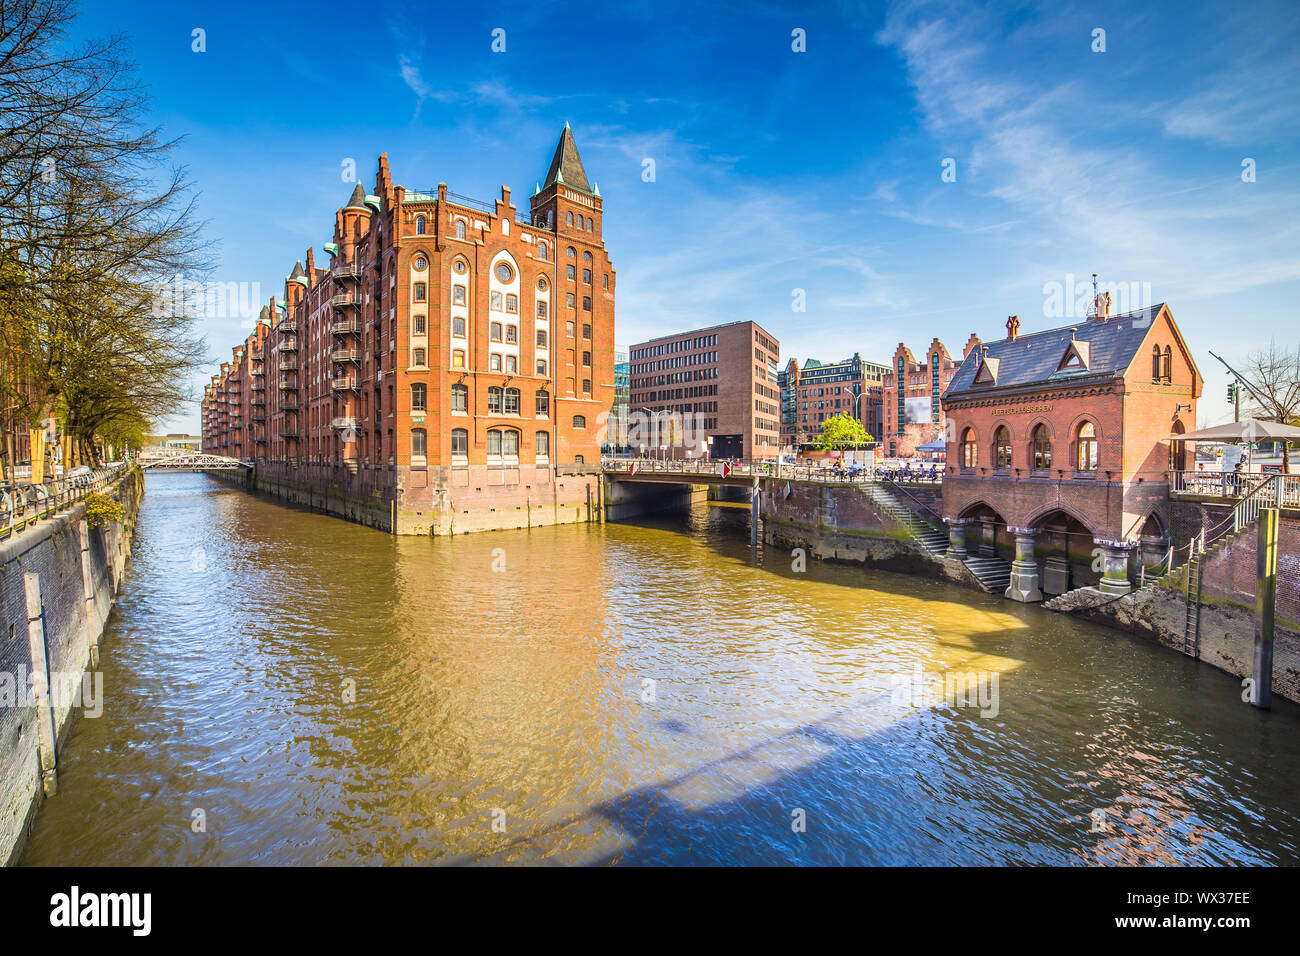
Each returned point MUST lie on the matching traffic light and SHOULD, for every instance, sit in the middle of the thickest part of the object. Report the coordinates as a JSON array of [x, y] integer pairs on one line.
[[1232, 393]]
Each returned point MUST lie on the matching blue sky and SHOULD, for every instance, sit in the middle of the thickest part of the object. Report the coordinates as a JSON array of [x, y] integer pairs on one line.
[[778, 170]]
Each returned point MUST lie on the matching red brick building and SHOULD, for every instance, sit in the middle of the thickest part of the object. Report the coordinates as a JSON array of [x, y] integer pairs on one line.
[[1059, 448], [451, 369], [818, 391], [711, 390], [912, 393]]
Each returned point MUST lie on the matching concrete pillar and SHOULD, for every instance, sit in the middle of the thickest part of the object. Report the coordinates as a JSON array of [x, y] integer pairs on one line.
[[1265, 607], [754, 496], [1154, 550], [957, 538], [88, 589], [1024, 570], [46, 732], [1115, 560]]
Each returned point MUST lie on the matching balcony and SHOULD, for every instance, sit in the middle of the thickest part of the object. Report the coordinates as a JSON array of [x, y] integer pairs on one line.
[[346, 270], [259, 401], [346, 355], [259, 386], [257, 418], [345, 423], [288, 324], [346, 328], [288, 431], [288, 365], [290, 344], [345, 300], [288, 385], [289, 403], [346, 385]]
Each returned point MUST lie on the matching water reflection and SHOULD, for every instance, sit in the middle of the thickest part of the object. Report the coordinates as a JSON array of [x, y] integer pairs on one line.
[[652, 693]]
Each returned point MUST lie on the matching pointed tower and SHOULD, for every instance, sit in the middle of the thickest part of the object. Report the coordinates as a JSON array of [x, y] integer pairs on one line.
[[566, 200]]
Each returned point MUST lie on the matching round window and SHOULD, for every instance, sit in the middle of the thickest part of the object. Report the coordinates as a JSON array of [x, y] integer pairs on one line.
[[459, 265], [541, 284], [421, 263], [503, 272], [586, 257]]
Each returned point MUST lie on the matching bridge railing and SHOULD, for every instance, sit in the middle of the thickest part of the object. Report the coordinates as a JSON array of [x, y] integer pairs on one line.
[[24, 503]]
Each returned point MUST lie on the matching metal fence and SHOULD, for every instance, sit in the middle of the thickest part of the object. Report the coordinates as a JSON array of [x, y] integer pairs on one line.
[[22, 504], [1281, 491]]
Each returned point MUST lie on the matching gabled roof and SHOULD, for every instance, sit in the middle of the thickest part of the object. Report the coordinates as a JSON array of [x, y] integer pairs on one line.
[[1107, 347], [566, 165]]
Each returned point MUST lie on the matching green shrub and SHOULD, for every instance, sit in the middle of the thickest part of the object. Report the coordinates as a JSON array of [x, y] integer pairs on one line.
[[101, 509]]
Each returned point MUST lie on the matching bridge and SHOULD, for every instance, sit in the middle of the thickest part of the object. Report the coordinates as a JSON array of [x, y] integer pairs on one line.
[[192, 462]]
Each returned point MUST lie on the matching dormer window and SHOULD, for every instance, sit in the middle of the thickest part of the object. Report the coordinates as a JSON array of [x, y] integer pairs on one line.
[[1075, 358], [987, 373]]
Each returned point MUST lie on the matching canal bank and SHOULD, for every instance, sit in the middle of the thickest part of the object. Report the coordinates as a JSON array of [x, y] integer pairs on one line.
[[285, 688], [58, 582]]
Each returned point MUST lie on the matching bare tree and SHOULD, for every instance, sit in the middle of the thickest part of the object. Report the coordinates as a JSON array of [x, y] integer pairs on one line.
[[1273, 374]]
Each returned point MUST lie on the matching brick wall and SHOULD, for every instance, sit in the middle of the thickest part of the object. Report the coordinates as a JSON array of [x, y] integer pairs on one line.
[[52, 550]]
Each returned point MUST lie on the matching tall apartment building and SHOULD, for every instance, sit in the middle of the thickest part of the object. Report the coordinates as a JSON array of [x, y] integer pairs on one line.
[[912, 393], [451, 368], [724, 377], [816, 392]]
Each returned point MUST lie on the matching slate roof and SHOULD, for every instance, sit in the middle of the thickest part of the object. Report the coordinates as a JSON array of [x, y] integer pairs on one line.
[[358, 199], [567, 162], [1112, 344]]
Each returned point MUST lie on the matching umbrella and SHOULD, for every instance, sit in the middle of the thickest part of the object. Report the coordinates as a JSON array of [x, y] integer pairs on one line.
[[1235, 433]]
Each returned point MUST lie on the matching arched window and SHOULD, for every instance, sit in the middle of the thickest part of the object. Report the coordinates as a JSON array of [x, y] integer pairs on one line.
[[494, 400], [511, 406], [579, 421], [460, 442], [419, 442], [541, 250], [460, 228], [1155, 363], [419, 394], [494, 331], [1042, 447], [419, 225], [1167, 365], [570, 252], [1087, 446], [543, 403], [591, 224], [568, 219], [1002, 448], [586, 257], [969, 452], [459, 398], [512, 364]]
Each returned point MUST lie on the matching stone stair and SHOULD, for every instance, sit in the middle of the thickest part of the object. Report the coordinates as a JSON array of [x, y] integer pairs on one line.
[[932, 540], [993, 573]]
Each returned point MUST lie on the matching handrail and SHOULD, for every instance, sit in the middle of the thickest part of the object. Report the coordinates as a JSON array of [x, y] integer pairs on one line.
[[23, 504]]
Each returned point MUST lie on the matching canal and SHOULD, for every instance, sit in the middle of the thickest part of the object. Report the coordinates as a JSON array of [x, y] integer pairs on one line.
[[284, 687]]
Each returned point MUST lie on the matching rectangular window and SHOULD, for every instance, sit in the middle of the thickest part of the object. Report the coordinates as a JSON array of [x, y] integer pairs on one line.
[[586, 276], [459, 442], [419, 291], [606, 280], [419, 325], [419, 357], [568, 299], [458, 327], [512, 302], [543, 444], [495, 304], [543, 404], [458, 359], [512, 333], [541, 366], [586, 358], [458, 295], [586, 386], [541, 308], [510, 444], [418, 442], [586, 330], [541, 338], [568, 329], [459, 398], [586, 303], [494, 443], [494, 363], [512, 364]]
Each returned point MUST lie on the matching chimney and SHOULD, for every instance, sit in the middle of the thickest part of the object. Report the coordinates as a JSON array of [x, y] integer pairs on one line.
[[1013, 327]]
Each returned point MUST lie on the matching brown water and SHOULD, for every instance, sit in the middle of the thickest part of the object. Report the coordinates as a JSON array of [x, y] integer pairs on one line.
[[507, 715]]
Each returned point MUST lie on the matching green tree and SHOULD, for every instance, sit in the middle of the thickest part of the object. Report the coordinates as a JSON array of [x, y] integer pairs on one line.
[[841, 432]]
